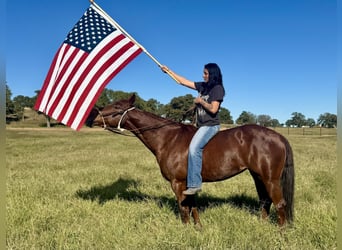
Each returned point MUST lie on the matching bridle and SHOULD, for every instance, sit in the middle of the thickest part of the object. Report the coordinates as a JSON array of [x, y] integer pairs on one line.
[[118, 129]]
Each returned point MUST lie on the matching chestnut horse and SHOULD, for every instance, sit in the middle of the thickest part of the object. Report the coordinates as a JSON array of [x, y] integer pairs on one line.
[[265, 153]]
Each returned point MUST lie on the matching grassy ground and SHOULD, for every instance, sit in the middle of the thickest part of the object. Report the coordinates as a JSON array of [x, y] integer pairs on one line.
[[96, 190]]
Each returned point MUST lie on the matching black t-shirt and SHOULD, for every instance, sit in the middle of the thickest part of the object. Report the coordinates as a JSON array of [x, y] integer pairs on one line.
[[205, 118]]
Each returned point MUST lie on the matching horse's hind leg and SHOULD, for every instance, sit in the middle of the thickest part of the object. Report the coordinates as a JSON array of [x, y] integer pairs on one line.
[[264, 199], [275, 192]]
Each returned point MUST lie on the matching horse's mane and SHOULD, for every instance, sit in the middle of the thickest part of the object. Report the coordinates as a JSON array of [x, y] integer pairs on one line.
[[164, 120]]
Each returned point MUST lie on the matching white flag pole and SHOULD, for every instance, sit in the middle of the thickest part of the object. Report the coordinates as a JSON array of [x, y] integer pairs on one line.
[[116, 25]]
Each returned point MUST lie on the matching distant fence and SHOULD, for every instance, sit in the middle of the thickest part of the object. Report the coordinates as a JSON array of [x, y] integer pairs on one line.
[[315, 131]]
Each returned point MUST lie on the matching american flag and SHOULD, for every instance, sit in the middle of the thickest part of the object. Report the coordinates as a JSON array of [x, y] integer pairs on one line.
[[93, 52]]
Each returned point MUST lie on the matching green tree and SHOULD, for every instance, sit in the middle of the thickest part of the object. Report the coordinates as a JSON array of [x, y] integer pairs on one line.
[[297, 120], [327, 120], [275, 123], [105, 98], [178, 108], [118, 95], [9, 103], [20, 103], [246, 118], [10, 111], [152, 105], [264, 120], [310, 122], [267, 121], [225, 116]]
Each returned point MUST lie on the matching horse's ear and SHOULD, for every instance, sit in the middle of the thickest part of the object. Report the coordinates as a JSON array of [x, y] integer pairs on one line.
[[132, 99]]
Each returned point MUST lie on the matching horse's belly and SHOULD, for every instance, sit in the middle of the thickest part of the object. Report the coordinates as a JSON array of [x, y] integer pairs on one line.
[[219, 174]]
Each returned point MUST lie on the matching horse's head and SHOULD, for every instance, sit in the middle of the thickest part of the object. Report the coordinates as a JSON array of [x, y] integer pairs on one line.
[[110, 114]]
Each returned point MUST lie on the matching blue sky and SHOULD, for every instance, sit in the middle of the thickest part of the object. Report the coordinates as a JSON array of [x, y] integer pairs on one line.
[[276, 57]]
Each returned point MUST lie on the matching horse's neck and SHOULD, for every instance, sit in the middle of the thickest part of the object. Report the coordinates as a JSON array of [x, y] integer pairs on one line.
[[150, 129]]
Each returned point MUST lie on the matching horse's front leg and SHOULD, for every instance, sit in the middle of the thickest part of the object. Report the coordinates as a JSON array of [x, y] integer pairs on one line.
[[184, 209], [190, 200], [186, 204]]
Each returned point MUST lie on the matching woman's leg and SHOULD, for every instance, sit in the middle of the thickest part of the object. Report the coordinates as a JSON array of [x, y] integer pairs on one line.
[[198, 142]]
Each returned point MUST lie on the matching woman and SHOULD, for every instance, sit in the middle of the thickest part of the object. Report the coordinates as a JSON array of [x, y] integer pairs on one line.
[[211, 93]]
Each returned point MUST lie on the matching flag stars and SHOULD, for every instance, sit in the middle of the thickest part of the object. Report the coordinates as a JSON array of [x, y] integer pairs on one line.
[[89, 31]]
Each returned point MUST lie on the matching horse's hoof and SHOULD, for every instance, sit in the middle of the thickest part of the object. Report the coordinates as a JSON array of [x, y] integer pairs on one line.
[[198, 226]]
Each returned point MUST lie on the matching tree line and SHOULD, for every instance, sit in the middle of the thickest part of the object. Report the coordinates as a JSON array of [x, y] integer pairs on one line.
[[180, 109]]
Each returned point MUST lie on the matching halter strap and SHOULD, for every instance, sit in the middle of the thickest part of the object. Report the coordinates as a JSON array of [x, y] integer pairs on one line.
[[124, 113], [118, 129]]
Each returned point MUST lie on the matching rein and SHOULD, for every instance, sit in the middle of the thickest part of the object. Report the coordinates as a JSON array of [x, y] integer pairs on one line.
[[121, 131]]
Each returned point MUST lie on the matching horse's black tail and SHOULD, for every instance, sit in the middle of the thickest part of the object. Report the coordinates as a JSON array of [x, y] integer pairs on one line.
[[287, 181]]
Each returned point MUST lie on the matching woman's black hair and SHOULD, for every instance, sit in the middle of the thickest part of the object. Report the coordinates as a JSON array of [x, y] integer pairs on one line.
[[215, 76]]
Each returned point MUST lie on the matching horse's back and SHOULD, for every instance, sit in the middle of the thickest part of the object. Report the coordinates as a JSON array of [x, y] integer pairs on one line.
[[251, 147], [245, 135]]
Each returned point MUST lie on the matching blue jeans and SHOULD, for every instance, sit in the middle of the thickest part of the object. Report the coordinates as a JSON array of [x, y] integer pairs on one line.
[[197, 144]]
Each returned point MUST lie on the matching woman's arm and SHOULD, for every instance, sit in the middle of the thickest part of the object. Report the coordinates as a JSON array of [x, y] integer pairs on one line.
[[212, 107], [182, 80]]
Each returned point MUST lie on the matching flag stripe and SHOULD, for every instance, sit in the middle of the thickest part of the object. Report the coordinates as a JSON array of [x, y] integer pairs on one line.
[[67, 69], [45, 93], [56, 71], [81, 68], [89, 101], [75, 64], [76, 126], [96, 76], [91, 67]]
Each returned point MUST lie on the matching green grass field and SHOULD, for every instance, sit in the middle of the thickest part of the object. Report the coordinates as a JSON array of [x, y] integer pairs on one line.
[[96, 190]]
